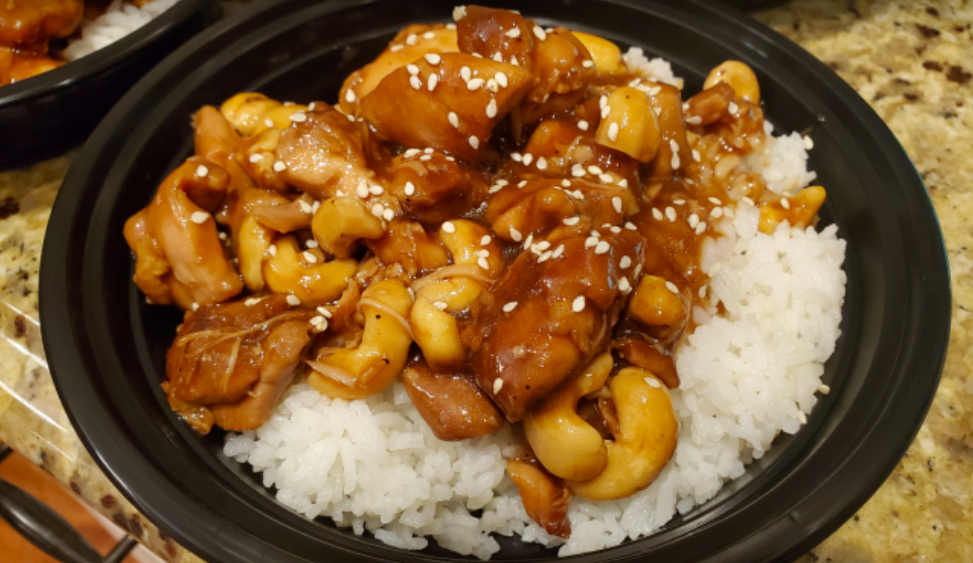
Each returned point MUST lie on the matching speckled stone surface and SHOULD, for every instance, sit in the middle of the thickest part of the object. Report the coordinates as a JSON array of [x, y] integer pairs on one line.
[[911, 61]]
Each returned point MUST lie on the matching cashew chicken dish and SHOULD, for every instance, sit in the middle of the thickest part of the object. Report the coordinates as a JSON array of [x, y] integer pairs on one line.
[[508, 229]]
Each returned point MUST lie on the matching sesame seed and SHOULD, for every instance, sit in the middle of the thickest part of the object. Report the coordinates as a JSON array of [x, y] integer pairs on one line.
[[453, 119], [558, 251], [588, 63], [571, 221], [491, 109], [602, 247], [566, 183], [252, 301], [432, 81], [415, 82], [293, 300], [605, 112], [279, 166], [521, 183], [376, 190], [540, 33], [700, 227], [323, 312], [312, 243], [824, 389], [675, 161], [624, 286], [716, 213], [606, 178], [425, 157], [501, 79], [583, 125], [433, 58], [694, 120], [222, 236], [513, 33], [497, 385], [411, 153], [495, 188], [693, 221], [702, 292], [612, 131], [596, 234], [748, 200], [509, 306], [679, 201], [299, 117], [623, 183], [808, 143], [412, 39], [602, 101], [515, 235], [656, 214], [413, 69], [377, 210], [440, 305], [362, 190], [578, 304], [671, 214], [528, 158], [451, 26], [310, 257], [255, 158], [475, 83], [527, 243], [269, 122], [594, 170], [577, 171], [673, 145], [482, 262], [493, 86], [451, 159], [388, 214], [514, 61], [617, 204], [429, 35], [396, 48], [465, 73], [516, 157], [652, 382], [485, 240], [305, 206], [696, 156], [630, 226], [733, 108], [202, 171], [544, 257], [449, 227], [785, 203], [459, 12], [194, 306], [625, 262], [199, 217], [672, 287], [320, 324], [590, 242], [474, 142], [272, 250], [541, 163]]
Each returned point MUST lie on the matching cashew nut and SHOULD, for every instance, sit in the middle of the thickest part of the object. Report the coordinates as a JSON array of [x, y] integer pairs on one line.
[[800, 211], [654, 304], [464, 241], [252, 112], [647, 435], [562, 440], [253, 240], [354, 373], [631, 125], [437, 334], [286, 270], [739, 76], [605, 54], [341, 221]]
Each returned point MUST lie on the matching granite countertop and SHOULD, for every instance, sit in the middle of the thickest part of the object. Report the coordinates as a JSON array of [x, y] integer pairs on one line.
[[911, 61]]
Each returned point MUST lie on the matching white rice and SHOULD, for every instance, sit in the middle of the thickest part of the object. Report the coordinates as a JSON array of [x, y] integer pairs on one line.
[[656, 70], [118, 21], [746, 376]]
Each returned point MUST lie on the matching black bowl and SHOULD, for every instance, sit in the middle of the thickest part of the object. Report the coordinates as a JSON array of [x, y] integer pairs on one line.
[[106, 347], [43, 116]]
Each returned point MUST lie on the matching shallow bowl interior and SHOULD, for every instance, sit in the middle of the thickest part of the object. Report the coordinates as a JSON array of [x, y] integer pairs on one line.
[[107, 356]]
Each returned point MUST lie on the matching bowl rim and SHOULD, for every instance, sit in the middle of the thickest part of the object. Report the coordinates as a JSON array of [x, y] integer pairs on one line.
[[56, 289], [97, 62]]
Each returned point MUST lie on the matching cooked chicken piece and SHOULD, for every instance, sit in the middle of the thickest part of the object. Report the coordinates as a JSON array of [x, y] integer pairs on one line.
[[556, 59], [407, 243], [237, 359], [562, 315], [411, 44], [710, 105], [33, 22], [324, 153], [540, 207], [177, 229], [452, 404], [642, 354], [16, 66], [216, 140], [546, 498], [285, 217], [457, 114], [667, 106], [435, 189], [258, 155]]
